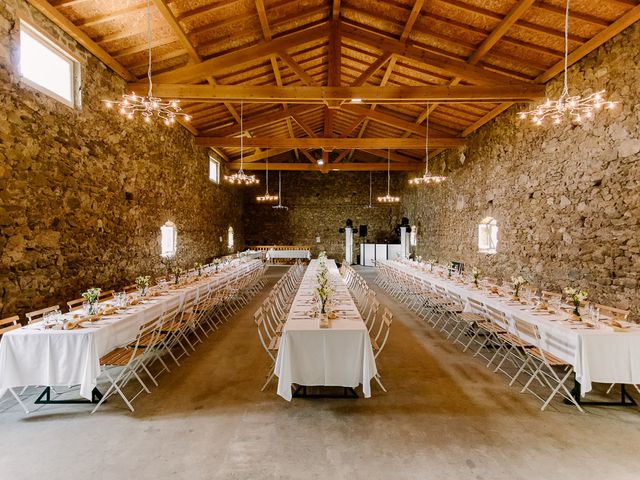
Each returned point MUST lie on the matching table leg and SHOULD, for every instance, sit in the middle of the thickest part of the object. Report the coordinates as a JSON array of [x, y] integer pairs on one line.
[[626, 400], [45, 398]]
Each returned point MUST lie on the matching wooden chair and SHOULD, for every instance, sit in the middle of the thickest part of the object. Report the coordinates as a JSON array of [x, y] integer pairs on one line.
[[547, 296], [37, 315], [612, 312], [129, 289], [106, 295], [6, 325], [75, 304]]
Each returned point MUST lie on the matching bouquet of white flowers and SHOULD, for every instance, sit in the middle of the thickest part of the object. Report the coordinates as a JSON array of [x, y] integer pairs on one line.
[[91, 297], [476, 272], [517, 283], [576, 297], [177, 271], [198, 267], [142, 284], [449, 269]]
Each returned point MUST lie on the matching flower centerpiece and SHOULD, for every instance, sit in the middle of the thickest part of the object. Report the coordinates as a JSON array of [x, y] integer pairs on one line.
[[216, 264], [517, 283], [431, 262], [198, 267], [576, 297], [142, 284], [91, 298], [449, 269], [177, 271], [419, 259], [476, 272]]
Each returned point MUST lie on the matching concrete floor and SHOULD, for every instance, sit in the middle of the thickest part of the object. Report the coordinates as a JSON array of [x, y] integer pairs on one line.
[[445, 416]]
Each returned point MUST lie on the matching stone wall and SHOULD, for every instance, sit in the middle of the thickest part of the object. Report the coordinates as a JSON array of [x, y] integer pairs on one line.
[[83, 192], [319, 205], [566, 197]]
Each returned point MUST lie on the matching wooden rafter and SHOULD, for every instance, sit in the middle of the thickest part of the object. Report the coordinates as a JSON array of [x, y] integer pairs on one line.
[[295, 66], [395, 95], [347, 167], [330, 143]]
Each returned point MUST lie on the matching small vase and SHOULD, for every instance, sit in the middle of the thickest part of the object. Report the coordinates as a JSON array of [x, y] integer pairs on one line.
[[324, 320], [142, 291], [575, 315], [92, 307]]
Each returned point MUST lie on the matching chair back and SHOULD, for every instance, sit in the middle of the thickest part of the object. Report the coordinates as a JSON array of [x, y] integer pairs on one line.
[[524, 330], [75, 304], [8, 324], [612, 312], [38, 315], [384, 330]]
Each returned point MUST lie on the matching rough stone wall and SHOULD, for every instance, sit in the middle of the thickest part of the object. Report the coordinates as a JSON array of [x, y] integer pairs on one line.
[[83, 192], [566, 197], [318, 206]]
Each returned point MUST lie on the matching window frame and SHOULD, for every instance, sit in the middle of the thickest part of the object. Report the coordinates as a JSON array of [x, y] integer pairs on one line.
[[168, 225], [214, 161], [488, 236], [50, 44]]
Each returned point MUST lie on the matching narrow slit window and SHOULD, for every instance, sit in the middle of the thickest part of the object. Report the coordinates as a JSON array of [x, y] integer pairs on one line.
[[168, 240], [46, 67], [413, 238], [230, 239], [214, 170], [488, 235]]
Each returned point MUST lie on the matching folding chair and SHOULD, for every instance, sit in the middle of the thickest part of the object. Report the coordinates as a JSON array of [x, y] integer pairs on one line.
[[379, 340], [6, 325], [38, 315]]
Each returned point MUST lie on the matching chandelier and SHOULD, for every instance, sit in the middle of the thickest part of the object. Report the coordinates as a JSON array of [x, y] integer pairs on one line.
[[279, 206], [240, 177], [266, 197], [388, 198], [427, 178], [148, 106], [575, 107]]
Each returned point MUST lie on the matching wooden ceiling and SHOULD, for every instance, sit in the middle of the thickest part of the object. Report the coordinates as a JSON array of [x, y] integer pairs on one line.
[[297, 65]]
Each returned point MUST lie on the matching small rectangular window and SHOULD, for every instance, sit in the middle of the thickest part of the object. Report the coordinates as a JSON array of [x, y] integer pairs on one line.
[[413, 238], [46, 67], [214, 170]]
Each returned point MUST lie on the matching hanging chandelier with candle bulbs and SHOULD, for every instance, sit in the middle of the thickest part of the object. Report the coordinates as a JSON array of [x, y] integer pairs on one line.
[[148, 107], [267, 197], [388, 198], [279, 206], [427, 178], [241, 178], [574, 108]]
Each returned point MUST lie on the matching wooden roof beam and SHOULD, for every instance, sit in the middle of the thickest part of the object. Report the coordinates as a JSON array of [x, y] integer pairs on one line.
[[343, 166], [394, 95], [295, 66], [331, 143]]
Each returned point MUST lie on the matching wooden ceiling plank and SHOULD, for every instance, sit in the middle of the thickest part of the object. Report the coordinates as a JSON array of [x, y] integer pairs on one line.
[[307, 129], [330, 143], [107, 17], [335, 10], [341, 156], [82, 38], [413, 16], [205, 9], [372, 70], [245, 55], [383, 153], [352, 126]]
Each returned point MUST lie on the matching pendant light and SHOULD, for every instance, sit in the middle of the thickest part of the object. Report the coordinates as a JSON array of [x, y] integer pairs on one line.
[[427, 178], [370, 191], [388, 198], [279, 205], [573, 108], [266, 197], [148, 106], [240, 177]]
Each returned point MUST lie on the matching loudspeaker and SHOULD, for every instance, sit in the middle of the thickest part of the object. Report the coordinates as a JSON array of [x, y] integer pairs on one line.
[[362, 230], [349, 223], [341, 230]]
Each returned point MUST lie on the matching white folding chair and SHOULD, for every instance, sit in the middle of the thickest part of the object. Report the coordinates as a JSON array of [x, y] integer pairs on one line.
[[6, 325]]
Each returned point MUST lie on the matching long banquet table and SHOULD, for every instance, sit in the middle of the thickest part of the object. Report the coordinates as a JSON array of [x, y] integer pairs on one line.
[[337, 356], [288, 254], [597, 355], [32, 355]]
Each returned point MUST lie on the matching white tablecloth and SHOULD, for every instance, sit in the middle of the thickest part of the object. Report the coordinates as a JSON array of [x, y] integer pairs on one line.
[[288, 254], [337, 356], [597, 355], [32, 356]]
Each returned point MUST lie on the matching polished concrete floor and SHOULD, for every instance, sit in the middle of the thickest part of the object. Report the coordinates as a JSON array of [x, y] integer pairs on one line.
[[444, 416]]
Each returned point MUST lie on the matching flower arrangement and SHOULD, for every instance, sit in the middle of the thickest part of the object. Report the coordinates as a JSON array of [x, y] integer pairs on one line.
[[419, 259], [91, 297], [517, 283], [198, 267], [177, 271], [142, 284], [449, 269], [324, 292], [576, 297], [476, 272], [216, 264], [431, 262]]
